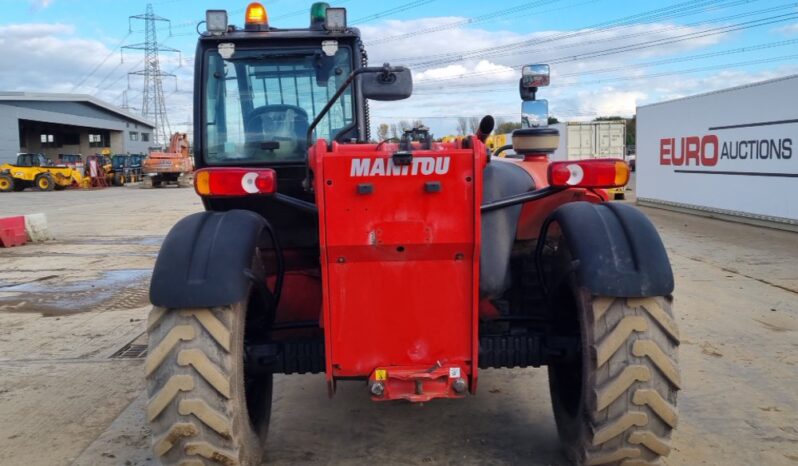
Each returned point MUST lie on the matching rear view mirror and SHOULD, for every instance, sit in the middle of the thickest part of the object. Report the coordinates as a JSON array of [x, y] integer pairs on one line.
[[394, 85], [535, 76], [534, 113]]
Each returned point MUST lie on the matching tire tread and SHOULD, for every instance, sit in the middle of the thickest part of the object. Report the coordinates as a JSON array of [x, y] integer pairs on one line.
[[191, 409], [634, 408]]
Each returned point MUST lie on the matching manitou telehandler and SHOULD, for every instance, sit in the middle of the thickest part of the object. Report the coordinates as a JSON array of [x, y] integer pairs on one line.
[[407, 266]]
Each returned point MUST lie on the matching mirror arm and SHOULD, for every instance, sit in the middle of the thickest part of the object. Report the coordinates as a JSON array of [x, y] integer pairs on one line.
[[385, 69]]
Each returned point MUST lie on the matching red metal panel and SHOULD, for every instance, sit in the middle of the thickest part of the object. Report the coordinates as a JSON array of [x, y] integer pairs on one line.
[[399, 259]]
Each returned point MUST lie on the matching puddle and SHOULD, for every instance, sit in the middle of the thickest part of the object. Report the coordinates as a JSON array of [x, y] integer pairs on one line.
[[113, 290]]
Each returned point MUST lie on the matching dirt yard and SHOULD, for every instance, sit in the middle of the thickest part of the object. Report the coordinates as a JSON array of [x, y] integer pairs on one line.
[[72, 314]]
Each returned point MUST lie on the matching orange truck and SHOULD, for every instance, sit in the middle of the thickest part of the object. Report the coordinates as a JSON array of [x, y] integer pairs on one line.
[[171, 166]]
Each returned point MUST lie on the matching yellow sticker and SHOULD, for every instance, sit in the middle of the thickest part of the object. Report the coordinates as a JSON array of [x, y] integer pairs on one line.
[[380, 374]]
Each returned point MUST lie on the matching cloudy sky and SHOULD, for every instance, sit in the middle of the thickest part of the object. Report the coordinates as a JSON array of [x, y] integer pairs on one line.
[[606, 56]]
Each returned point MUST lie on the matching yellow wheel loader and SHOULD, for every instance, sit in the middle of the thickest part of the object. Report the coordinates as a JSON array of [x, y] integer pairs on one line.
[[36, 171]]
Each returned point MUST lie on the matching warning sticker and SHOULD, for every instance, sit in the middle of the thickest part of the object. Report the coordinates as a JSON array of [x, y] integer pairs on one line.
[[454, 372], [380, 374]]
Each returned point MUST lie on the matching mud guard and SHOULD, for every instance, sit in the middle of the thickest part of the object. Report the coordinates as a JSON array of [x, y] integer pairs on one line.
[[203, 260], [616, 249]]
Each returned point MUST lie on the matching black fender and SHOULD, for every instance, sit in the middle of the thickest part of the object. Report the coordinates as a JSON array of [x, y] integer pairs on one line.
[[616, 249], [205, 259]]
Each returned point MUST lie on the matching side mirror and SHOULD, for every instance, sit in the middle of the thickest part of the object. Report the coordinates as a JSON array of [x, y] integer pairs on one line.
[[534, 113], [535, 76], [396, 84]]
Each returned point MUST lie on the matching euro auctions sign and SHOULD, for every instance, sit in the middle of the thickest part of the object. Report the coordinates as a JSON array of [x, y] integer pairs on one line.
[[730, 152], [708, 150]]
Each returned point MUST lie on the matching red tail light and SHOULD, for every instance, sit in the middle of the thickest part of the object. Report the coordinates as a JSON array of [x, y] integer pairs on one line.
[[595, 173], [235, 181]]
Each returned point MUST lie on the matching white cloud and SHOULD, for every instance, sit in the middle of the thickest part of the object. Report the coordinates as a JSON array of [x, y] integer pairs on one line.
[[54, 58], [473, 84], [788, 30], [39, 4]]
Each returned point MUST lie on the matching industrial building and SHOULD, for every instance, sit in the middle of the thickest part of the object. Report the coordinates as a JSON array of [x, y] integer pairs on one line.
[[55, 124]]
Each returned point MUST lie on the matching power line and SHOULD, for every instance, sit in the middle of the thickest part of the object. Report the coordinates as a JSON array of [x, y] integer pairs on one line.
[[651, 43], [305, 11], [575, 83], [659, 30], [681, 9], [101, 63], [391, 11], [685, 58], [465, 22]]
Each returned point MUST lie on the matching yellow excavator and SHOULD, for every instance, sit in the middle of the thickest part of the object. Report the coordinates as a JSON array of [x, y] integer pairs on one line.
[[39, 172]]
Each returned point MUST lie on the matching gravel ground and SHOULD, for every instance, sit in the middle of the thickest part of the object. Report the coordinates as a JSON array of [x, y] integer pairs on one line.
[[69, 306]]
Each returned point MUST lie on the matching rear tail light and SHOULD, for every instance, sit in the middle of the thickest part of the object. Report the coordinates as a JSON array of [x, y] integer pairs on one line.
[[235, 181], [595, 173]]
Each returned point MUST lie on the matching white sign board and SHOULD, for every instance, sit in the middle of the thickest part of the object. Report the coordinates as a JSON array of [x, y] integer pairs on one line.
[[732, 151]]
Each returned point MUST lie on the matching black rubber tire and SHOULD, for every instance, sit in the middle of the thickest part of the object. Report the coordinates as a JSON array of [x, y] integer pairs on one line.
[[6, 183], [198, 407], [617, 406], [44, 182], [119, 179]]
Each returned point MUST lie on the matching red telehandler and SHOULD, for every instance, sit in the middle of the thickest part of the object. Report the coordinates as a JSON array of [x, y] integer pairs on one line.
[[406, 266]]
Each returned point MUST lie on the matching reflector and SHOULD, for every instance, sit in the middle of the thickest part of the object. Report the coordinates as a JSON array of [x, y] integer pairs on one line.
[[235, 181], [596, 173]]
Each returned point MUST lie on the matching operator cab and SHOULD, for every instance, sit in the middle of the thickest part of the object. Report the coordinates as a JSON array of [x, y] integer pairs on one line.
[[33, 160], [264, 94], [260, 87]]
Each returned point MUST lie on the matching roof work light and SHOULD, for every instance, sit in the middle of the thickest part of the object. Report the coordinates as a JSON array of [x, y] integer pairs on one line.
[[216, 22], [335, 20], [256, 18]]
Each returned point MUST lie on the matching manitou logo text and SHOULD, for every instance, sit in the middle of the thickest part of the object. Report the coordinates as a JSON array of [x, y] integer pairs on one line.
[[385, 167], [707, 150]]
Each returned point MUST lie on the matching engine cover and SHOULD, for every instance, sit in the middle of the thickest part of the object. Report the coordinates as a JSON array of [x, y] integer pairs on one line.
[[399, 242]]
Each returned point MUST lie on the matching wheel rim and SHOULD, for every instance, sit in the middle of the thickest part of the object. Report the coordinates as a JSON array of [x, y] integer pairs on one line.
[[4, 184], [44, 183]]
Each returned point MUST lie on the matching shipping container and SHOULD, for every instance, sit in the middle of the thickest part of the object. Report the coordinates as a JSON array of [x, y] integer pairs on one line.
[[596, 139], [728, 153]]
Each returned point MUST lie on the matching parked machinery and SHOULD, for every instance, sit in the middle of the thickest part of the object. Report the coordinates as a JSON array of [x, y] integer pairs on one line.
[[134, 163], [408, 266], [172, 166], [98, 171], [74, 161], [37, 171]]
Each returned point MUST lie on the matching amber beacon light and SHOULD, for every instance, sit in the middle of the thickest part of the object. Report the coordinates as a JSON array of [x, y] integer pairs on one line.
[[256, 18]]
